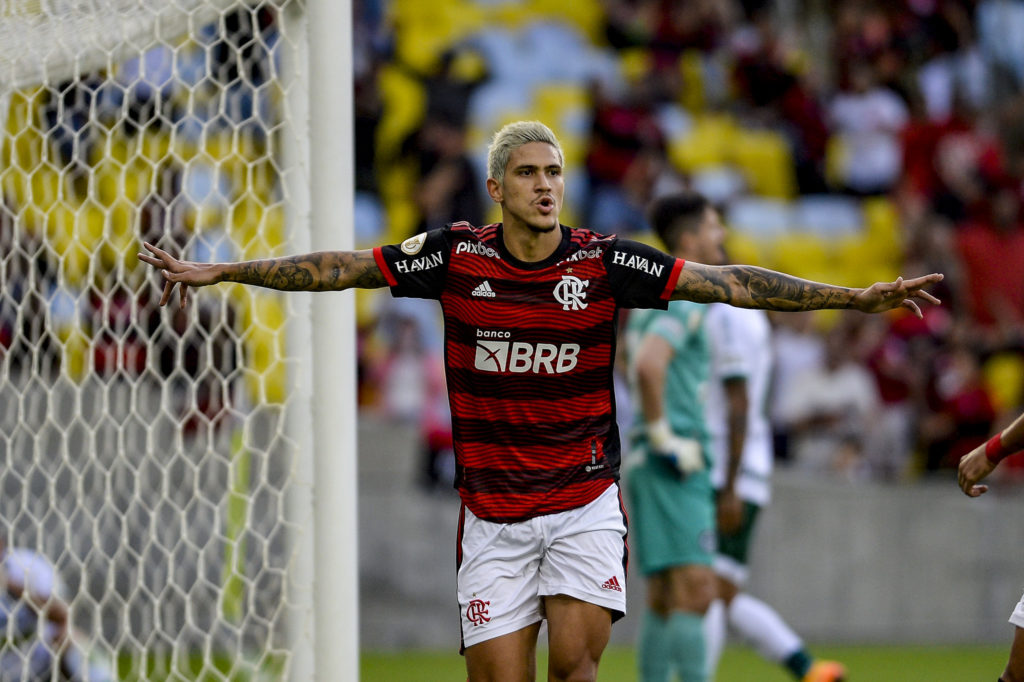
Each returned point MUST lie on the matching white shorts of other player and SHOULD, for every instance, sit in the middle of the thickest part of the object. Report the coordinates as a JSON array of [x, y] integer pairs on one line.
[[508, 568], [1017, 617]]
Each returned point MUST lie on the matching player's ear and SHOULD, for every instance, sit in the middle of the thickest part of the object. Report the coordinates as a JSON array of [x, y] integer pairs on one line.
[[495, 190]]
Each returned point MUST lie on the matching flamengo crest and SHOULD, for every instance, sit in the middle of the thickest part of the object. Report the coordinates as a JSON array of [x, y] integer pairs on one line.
[[476, 612], [570, 292]]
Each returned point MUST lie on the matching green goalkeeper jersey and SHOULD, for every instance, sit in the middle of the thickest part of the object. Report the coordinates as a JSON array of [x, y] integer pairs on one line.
[[682, 326]]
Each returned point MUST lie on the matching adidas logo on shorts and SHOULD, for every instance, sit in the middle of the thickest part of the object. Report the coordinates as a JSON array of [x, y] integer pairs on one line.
[[612, 584], [484, 289]]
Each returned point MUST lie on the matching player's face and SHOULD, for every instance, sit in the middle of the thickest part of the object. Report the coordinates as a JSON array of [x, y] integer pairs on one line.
[[531, 192], [711, 239]]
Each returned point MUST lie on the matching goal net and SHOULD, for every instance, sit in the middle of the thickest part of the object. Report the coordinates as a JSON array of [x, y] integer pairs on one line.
[[148, 454]]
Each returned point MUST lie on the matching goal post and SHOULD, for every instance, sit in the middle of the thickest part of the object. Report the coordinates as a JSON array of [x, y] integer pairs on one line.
[[190, 476]]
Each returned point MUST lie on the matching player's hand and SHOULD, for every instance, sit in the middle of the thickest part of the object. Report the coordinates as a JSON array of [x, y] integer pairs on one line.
[[882, 296], [973, 467], [685, 454], [729, 512], [179, 272]]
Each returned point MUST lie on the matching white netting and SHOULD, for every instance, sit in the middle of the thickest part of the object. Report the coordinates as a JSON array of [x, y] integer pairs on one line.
[[145, 452]]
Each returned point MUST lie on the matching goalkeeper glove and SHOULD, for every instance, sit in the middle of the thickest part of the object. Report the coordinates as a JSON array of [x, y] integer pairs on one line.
[[684, 453]]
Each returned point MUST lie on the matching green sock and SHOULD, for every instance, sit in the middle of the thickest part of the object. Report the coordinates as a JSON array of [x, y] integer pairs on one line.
[[688, 641], [798, 664], [654, 650]]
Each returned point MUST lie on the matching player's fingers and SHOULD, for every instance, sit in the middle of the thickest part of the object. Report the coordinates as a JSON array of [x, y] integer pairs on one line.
[[168, 290], [907, 303], [184, 295], [146, 258], [976, 490], [928, 297]]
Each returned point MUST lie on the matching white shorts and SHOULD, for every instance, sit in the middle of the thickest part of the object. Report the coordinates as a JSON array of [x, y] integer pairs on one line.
[[506, 569], [1017, 617]]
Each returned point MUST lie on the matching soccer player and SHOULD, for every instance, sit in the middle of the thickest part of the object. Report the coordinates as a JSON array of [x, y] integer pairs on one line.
[[667, 476], [530, 308], [36, 637], [975, 466], [741, 445]]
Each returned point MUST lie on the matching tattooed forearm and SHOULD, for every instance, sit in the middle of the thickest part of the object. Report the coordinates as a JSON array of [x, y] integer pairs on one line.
[[747, 286], [322, 271]]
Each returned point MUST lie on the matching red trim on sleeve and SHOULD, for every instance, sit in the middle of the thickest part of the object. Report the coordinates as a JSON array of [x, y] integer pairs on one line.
[[673, 279], [378, 255]]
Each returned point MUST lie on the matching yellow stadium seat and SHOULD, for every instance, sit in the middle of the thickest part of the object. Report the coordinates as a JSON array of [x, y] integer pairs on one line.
[[691, 68], [802, 255], [556, 103], [586, 15], [882, 222], [836, 157], [708, 144], [1003, 375], [404, 103], [264, 341], [766, 161], [742, 248]]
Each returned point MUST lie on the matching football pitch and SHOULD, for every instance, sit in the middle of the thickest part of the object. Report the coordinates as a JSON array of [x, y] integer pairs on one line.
[[865, 664]]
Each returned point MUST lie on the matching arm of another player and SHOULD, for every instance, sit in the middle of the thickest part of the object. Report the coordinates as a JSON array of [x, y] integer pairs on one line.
[[747, 286], [651, 366], [730, 507], [322, 271], [982, 460]]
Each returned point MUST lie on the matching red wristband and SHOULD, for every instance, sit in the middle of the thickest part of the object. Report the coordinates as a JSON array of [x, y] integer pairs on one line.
[[994, 450]]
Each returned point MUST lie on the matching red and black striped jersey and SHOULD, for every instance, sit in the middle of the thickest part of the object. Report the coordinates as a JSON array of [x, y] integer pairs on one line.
[[529, 354]]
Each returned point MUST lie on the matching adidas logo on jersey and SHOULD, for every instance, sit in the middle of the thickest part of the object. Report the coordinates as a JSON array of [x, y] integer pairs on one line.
[[484, 289], [612, 584]]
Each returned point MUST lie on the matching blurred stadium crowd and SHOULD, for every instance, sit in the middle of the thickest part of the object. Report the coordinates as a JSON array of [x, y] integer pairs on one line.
[[846, 141]]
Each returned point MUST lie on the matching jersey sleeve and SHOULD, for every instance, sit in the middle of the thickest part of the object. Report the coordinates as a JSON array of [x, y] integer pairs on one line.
[[417, 267], [641, 276], [727, 336]]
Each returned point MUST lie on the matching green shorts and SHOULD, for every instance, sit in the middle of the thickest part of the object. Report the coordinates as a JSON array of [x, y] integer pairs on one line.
[[672, 518], [736, 545]]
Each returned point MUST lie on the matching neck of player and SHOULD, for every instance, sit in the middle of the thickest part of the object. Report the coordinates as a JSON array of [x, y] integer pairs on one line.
[[530, 243]]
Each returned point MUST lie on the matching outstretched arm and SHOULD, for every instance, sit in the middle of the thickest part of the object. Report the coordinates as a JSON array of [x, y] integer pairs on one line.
[[747, 286], [322, 271], [982, 460]]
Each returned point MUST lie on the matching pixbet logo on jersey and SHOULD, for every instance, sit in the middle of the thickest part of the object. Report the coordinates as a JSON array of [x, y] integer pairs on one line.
[[519, 357]]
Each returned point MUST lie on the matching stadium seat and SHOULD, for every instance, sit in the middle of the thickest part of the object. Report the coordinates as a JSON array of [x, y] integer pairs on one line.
[[803, 255], [720, 184], [882, 222], [1003, 375], [708, 145], [693, 92], [742, 248], [403, 102], [766, 161], [759, 217], [831, 216]]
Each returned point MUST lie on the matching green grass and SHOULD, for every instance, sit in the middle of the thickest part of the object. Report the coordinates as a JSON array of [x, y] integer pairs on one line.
[[865, 664]]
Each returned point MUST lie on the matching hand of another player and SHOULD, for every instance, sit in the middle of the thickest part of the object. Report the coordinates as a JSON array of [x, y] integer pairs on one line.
[[882, 296], [685, 454], [179, 272], [729, 513], [974, 466]]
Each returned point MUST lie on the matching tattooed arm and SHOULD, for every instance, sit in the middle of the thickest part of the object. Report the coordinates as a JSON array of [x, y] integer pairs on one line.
[[746, 286], [322, 271]]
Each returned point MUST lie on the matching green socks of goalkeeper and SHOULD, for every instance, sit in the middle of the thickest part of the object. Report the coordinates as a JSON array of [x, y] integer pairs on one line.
[[672, 644]]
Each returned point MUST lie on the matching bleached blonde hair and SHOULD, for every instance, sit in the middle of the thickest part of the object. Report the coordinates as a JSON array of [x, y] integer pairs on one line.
[[513, 136]]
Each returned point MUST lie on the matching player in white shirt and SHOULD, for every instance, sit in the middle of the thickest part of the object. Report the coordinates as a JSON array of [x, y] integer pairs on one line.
[[975, 466], [36, 637], [741, 443]]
